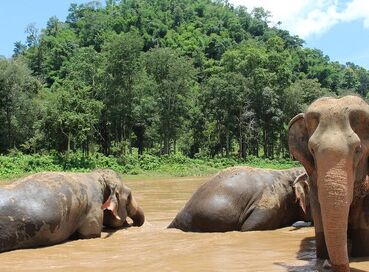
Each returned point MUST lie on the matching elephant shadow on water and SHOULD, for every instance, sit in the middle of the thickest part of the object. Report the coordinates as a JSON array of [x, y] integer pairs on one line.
[[307, 252]]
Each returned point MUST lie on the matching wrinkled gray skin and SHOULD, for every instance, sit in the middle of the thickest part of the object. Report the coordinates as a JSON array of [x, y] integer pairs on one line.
[[245, 199], [48, 208], [331, 140]]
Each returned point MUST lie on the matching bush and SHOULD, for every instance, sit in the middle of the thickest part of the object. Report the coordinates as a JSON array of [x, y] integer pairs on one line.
[[18, 164]]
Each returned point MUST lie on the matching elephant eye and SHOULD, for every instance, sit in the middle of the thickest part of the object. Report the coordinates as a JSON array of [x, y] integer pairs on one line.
[[358, 149], [358, 153]]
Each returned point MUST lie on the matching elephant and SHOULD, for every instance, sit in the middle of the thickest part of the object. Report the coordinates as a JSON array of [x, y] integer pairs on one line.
[[331, 140], [49, 208], [246, 199]]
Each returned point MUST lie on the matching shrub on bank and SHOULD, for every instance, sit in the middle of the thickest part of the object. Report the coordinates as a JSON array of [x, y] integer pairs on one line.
[[16, 165]]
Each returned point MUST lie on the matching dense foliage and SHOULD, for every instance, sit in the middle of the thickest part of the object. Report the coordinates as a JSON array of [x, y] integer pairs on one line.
[[161, 76], [16, 165]]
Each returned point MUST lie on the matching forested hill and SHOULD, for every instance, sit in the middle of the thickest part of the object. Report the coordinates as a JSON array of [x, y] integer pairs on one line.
[[161, 76]]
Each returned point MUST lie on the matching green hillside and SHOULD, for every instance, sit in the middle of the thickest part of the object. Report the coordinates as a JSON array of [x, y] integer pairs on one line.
[[201, 78]]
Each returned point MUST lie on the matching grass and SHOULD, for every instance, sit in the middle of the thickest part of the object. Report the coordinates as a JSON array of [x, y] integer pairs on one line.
[[177, 165]]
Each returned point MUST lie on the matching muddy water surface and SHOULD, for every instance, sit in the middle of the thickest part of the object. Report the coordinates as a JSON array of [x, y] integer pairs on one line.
[[154, 248]]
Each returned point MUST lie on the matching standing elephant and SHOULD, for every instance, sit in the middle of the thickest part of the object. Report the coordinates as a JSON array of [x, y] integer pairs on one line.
[[245, 199], [331, 140], [48, 208]]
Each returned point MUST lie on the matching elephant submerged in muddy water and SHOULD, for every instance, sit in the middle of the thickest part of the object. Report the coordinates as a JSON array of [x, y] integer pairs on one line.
[[246, 199], [48, 208], [331, 140]]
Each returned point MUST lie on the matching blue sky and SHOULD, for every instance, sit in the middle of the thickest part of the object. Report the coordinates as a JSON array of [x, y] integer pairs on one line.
[[344, 42], [340, 28], [16, 15]]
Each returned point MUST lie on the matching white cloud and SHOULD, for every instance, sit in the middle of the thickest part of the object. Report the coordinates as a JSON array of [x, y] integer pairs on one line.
[[357, 9], [311, 17], [315, 21], [286, 9]]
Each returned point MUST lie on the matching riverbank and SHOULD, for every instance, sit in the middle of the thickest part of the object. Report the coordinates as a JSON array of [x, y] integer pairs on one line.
[[177, 165]]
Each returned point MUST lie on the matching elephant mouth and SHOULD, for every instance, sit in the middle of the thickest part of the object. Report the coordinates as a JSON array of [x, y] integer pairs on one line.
[[115, 214], [111, 218]]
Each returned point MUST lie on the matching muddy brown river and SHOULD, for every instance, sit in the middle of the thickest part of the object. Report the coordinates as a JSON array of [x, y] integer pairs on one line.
[[154, 248]]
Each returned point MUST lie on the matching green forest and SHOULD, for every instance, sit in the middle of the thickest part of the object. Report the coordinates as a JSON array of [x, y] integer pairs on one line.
[[202, 79]]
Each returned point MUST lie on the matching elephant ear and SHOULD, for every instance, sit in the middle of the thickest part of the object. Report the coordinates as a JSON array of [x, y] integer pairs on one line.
[[298, 142], [111, 203], [302, 189]]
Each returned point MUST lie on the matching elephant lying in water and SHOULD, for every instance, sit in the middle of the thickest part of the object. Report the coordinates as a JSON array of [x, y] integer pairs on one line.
[[48, 208], [246, 199]]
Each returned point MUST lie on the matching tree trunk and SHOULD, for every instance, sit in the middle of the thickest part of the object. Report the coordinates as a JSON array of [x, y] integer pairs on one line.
[[130, 144], [166, 145], [69, 137], [265, 143], [240, 147], [240, 140], [9, 125], [104, 134], [227, 144], [87, 147]]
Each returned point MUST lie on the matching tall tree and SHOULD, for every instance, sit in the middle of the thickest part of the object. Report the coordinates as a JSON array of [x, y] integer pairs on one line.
[[122, 54], [70, 118], [174, 76], [18, 91]]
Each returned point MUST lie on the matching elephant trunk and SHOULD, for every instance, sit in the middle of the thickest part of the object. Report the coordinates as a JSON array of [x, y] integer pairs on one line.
[[135, 212], [335, 197]]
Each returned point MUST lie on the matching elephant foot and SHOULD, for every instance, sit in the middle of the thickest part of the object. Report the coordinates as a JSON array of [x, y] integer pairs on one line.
[[327, 265], [341, 268], [335, 268]]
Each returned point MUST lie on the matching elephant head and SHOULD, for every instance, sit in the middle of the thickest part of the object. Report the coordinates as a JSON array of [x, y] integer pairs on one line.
[[119, 202], [331, 140]]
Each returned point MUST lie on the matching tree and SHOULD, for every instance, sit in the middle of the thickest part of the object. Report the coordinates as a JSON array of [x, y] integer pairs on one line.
[[350, 79], [19, 49], [122, 69], [32, 35], [18, 91], [224, 99], [174, 76], [71, 117], [145, 113], [58, 43]]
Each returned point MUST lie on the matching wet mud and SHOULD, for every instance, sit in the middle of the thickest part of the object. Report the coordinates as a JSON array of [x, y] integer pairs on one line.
[[154, 248]]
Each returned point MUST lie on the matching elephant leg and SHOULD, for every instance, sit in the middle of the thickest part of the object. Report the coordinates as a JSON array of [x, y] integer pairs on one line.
[[321, 247], [260, 219], [360, 242], [359, 229], [91, 227]]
